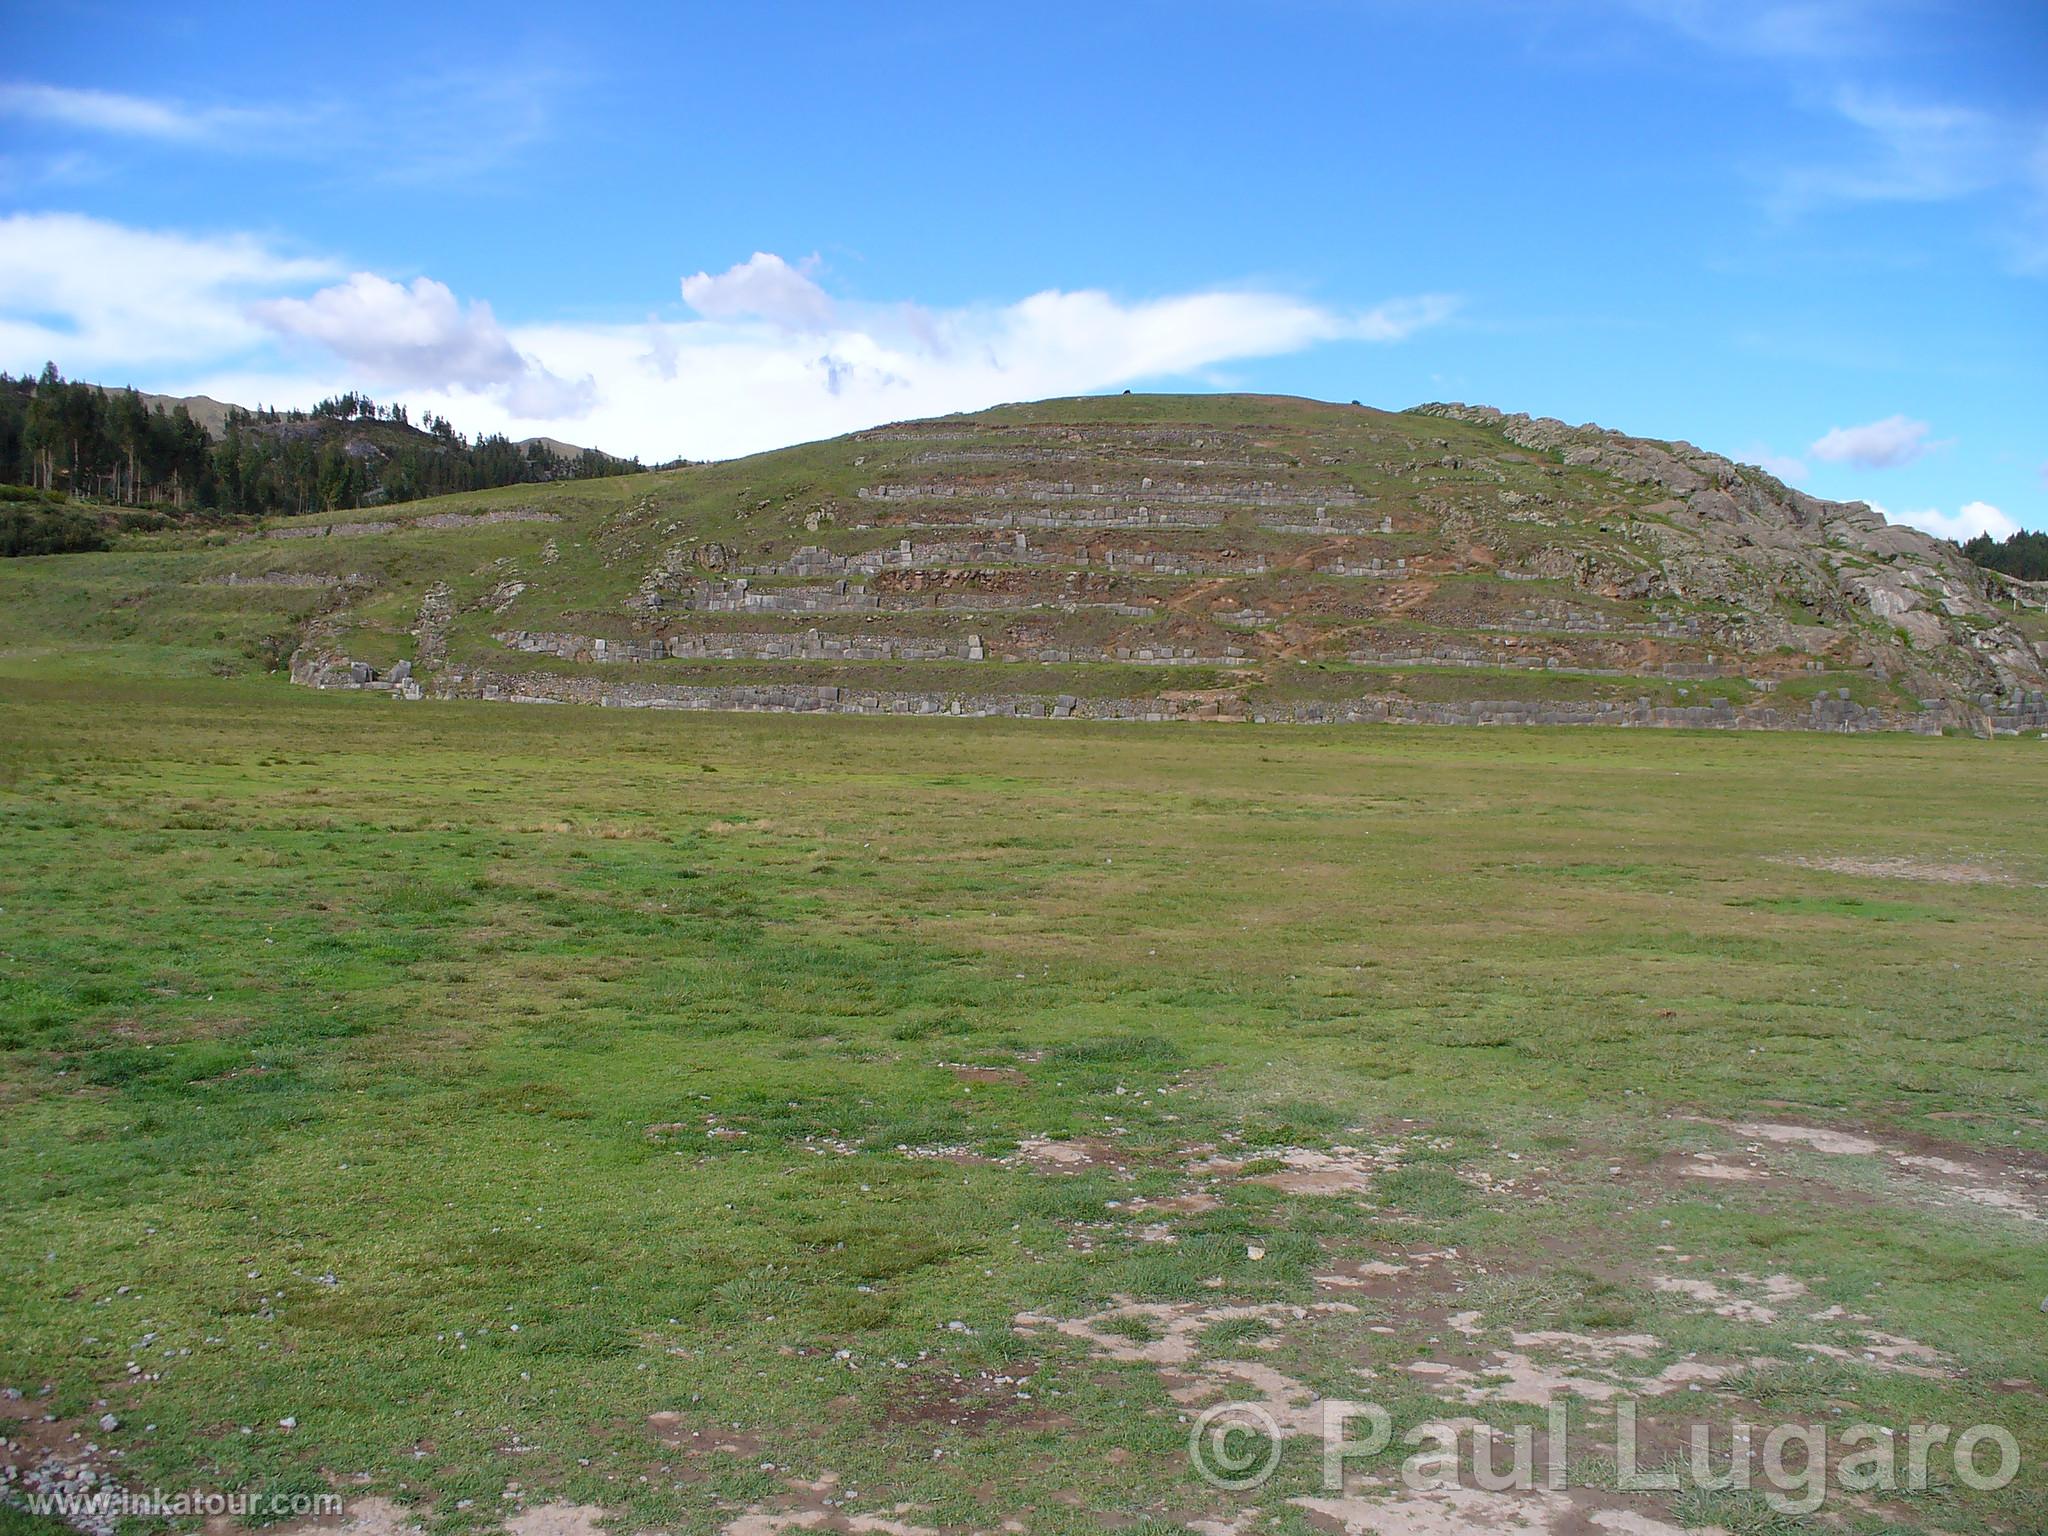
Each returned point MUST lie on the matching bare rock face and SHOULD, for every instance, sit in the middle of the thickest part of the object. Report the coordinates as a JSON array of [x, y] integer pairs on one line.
[[1734, 533]]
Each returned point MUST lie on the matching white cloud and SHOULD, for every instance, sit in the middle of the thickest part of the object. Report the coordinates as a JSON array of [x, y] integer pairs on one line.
[[713, 389], [450, 125], [111, 112], [1875, 445], [401, 335], [231, 316], [763, 287], [1788, 469], [1896, 149], [1793, 29], [37, 175], [99, 297], [2027, 241], [709, 389], [1398, 319], [422, 337], [1932, 152], [1973, 518], [116, 304], [1914, 152]]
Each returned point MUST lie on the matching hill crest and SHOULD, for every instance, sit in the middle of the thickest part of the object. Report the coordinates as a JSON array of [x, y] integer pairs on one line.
[[1169, 557], [213, 415]]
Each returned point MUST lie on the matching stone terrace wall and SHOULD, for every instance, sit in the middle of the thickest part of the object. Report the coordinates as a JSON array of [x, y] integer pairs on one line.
[[1395, 569], [739, 598], [1575, 621], [804, 698], [1480, 656], [1248, 493], [1090, 454], [295, 580], [436, 521], [812, 645], [1083, 518], [2029, 713], [1323, 523], [736, 597], [330, 672], [812, 562]]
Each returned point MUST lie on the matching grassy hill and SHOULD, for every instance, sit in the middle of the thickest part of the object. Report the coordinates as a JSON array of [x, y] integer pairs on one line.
[[1137, 557], [559, 1122]]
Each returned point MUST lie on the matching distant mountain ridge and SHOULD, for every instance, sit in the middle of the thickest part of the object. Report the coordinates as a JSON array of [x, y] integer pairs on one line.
[[195, 456], [212, 415]]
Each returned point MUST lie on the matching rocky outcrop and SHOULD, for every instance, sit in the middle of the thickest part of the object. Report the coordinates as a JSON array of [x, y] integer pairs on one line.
[[1733, 533]]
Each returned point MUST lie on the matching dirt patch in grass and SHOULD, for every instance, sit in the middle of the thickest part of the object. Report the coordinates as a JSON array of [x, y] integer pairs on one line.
[[1391, 1510], [42, 1454], [1776, 1291], [672, 1429], [1585, 1366], [1163, 1333], [2009, 1181], [1721, 1167], [1304, 1170], [1403, 1275], [1167, 1336], [1820, 1138], [2013, 1192], [369, 1516], [969, 1074], [817, 1506], [1192, 1203], [1890, 1352], [1960, 872], [975, 1401], [557, 1520], [1076, 1156]]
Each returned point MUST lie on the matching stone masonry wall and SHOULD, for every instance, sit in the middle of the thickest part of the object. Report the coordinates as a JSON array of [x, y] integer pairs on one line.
[[1832, 714], [813, 645]]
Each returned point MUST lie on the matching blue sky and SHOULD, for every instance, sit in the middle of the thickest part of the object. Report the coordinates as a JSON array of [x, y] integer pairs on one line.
[[1812, 235]]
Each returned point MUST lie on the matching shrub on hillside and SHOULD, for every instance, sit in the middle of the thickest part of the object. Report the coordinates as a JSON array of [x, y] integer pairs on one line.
[[46, 530], [30, 493]]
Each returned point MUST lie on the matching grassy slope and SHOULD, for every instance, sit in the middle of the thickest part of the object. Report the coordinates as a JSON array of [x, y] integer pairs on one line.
[[295, 986], [298, 986], [159, 592]]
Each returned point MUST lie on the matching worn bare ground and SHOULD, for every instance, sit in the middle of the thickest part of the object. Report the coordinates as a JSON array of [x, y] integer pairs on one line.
[[1958, 872], [2011, 1184], [1487, 1356], [1380, 1510]]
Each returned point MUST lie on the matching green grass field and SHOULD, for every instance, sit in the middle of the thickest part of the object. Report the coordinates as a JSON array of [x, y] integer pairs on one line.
[[768, 1123]]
